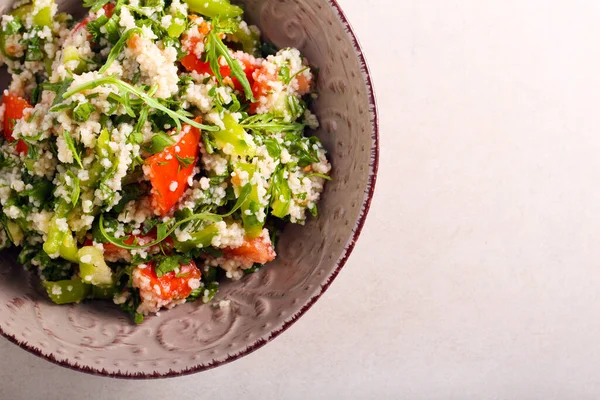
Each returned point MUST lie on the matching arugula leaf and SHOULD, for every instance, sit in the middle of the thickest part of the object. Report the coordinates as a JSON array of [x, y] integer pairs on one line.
[[268, 123], [125, 87], [71, 146], [59, 88], [118, 48], [75, 186], [326, 177], [215, 48], [291, 78]]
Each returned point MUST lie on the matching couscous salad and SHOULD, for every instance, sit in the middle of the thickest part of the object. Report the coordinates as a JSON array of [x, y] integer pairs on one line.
[[152, 149]]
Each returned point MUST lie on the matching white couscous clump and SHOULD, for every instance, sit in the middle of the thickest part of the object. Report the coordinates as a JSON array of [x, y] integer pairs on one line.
[[151, 150]]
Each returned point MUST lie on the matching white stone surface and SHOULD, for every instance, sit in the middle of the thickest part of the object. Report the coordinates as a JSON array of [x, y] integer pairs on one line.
[[477, 275]]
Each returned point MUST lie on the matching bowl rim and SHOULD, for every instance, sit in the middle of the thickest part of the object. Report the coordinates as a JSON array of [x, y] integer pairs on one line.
[[366, 205]]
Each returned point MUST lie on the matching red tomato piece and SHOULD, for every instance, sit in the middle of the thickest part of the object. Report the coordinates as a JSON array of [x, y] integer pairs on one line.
[[193, 63], [172, 285], [171, 168], [14, 107], [260, 86], [258, 250]]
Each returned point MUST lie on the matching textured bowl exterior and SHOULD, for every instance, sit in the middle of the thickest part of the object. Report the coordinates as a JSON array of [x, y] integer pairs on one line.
[[97, 338]]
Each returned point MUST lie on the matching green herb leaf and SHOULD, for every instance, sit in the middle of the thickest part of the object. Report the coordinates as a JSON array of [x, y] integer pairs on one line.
[[82, 112], [326, 177], [125, 87], [59, 88], [215, 48], [118, 48], [164, 231], [169, 264], [94, 5], [71, 146], [185, 162], [268, 123], [75, 187], [13, 26], [159, 142]]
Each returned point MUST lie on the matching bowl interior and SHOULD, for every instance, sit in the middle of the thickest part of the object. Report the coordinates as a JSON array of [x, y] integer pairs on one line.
[[98, 338]]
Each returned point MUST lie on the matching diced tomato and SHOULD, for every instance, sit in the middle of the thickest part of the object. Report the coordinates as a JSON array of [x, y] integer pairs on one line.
[[172, 285], [258, 250], [14, 107], [260, 86], [193, 63], [171, 168], [112, 250], [108, 11]]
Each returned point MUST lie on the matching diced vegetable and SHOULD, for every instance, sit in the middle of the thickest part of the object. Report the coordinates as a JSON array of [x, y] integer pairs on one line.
[[67, 291], [173, 285], [193, 63], [93, 268], [251, 206], [235, 137], [60, 240], [215, 8], [13, 111], [258, 250], [199, 239], [171, 168], [281, 194], [249, 39], [70, 54]]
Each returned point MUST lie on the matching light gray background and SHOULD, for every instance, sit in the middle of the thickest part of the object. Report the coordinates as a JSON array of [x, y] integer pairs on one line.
[[477, 275]]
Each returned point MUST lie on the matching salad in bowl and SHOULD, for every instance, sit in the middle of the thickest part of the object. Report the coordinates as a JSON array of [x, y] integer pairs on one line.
[[152, 149]]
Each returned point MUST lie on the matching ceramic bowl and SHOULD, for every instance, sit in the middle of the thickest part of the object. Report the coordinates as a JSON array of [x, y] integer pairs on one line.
[[98, 338]]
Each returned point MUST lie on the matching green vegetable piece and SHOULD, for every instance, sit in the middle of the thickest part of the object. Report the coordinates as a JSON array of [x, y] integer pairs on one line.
[[251, 206], [43, 17], [214, 8], [202, 238], [176, 29], [103, 292], [249, 39], [93, 268], [67, 291], [58, 241], [54, 238], [281, 194], [70, 54], [235, 137], [15, 233], [68, 248]]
